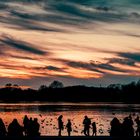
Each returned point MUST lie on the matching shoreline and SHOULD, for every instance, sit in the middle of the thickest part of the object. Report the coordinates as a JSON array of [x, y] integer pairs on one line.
[[65, 103], [70, 138]]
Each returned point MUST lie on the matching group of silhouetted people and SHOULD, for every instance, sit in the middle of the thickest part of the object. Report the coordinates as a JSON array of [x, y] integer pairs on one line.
[[30, 128], [86, 122], [125, 128], [87, 125], [61, 126]]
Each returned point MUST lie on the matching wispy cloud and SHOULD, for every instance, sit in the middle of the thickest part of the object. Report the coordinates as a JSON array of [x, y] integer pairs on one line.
[[50, 68], [21, 45], [73, 40], [94, 66], [131, 56], [74, 13], [123, 61]]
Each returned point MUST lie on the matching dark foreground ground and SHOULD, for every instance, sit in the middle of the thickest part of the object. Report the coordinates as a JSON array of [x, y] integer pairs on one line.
[[70, 138]]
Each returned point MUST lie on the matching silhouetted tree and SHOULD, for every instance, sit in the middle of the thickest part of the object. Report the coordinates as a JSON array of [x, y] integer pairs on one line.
[[138, 83], [128, 93], [115, 86], [8, 85], [42, 87], [56, 84], [16, 86]]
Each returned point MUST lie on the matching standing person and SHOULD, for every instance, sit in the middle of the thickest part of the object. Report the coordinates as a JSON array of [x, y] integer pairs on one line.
[[25, 123], [131, 123], [115, 127], [60, 125], [36, 127], [94, 129], [30, 127], [69, 128], [127, 127], [137, 120], [15, 129], [2, 128], [87, 123]]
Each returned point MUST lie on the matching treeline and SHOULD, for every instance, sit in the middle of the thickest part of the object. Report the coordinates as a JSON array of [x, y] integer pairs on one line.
[[56, 92]]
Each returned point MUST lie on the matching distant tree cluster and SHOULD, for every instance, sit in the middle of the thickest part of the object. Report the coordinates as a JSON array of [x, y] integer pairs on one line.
[[54, 84], [128, 93]]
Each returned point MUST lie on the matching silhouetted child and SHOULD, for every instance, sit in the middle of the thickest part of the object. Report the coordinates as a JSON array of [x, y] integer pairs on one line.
[[14, 129], [60, 125], [94, 129], [2, 128], [69, 127], [87, 123]]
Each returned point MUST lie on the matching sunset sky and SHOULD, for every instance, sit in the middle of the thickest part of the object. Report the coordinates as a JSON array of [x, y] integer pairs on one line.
[[88, 42]]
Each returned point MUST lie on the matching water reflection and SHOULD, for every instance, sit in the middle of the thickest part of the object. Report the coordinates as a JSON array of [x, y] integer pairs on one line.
[[47, 114]]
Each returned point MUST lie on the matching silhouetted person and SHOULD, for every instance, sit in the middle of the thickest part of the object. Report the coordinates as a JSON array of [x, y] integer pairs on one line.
[[137, 120], [36, 127], [94, 129], [60, 125], [2, 128], [115, 127], [14, 129], [131, 123], [69, 127], [25, 123], [86, 123], [30, 128], [127, 127]]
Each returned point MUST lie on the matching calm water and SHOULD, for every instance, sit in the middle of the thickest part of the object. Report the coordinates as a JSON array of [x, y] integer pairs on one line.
[[47, 114]]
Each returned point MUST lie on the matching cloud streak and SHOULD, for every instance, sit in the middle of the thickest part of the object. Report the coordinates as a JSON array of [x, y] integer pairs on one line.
[[131, 56], [21, 45], [69, 13], [95, 66], [72, 40]]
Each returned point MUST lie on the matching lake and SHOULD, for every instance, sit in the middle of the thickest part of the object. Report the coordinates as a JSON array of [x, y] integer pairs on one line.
[[47, 114]]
